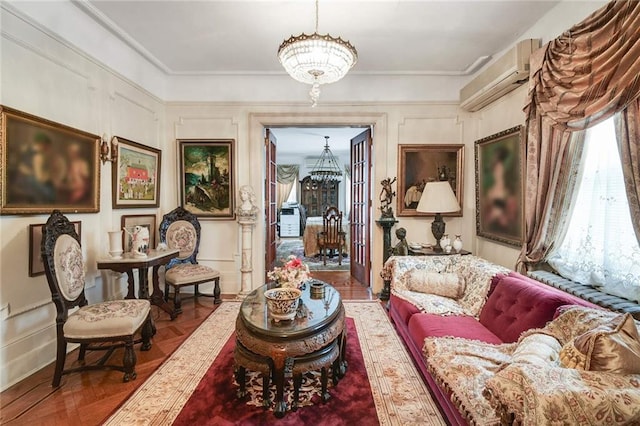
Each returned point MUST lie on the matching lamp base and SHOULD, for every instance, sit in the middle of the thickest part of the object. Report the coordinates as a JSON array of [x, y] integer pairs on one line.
[[437, 228]]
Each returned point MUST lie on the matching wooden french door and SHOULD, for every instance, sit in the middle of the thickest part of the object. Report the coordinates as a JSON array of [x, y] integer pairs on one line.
[[360, 207], [271, 210]]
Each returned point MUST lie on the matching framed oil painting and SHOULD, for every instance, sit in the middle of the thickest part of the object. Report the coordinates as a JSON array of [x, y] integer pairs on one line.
[[128, 222], [206, 177], [46, 166], [36, 266], [499, 162], [419, 164], [135, 175]]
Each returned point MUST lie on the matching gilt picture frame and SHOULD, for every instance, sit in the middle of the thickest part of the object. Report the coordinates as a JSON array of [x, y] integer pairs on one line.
[[128, 222], [135, 175], [422, 163], [207, 186], [46, 166], [499, 167], [36, 266]]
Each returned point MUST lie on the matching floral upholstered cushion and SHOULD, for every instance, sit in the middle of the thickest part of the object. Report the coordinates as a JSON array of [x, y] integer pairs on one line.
[[462, 367], [69, 266], [442, 284], [107, 319], [552, 394], [477, 274], [613, 347], [188, 273], [182, 235]]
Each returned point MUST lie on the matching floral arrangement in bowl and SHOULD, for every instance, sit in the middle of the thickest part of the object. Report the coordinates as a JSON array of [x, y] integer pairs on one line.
[[292, 274]]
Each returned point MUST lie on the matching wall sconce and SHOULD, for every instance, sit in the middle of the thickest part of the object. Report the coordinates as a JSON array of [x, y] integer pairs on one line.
[[108, 150]]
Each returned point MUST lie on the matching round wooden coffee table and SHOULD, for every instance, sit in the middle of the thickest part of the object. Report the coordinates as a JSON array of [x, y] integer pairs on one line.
[[314, 340]]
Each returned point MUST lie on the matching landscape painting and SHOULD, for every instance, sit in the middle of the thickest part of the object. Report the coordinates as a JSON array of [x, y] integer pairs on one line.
[[206, 178]]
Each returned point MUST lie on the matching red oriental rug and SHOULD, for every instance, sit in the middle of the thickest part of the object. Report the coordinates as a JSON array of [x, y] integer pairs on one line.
[[196, 385]]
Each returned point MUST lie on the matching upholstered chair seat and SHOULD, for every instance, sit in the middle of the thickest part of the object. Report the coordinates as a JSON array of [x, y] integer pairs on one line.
[[180, 230], [108, 319], [105, 326]]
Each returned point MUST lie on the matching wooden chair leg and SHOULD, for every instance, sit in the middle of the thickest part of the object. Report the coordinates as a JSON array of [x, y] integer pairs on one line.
[[177, 301], [147, 333], [216, 292], [129, 361], [166, 291], [61, 354], [297, 383]]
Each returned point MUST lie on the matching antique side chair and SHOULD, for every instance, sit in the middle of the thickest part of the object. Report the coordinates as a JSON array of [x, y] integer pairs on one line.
[[102, 326], [180, 229], [332, 237]]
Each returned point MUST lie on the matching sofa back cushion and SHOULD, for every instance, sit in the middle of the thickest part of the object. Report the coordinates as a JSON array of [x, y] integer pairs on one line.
[[519, 303]]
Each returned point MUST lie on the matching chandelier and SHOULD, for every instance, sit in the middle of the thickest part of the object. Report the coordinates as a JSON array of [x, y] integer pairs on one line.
[[326, 169], [317, 59]]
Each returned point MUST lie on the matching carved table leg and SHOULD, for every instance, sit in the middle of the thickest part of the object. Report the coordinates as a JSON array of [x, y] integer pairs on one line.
[[241, 377], [324, 378], [130, 286], [297, 382]]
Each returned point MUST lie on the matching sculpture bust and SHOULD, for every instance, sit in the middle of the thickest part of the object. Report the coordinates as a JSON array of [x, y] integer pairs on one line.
[[402, 248], [247, 208]]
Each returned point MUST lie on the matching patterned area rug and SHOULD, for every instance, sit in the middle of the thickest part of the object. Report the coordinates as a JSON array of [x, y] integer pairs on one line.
[[294, 246], [399, 395]]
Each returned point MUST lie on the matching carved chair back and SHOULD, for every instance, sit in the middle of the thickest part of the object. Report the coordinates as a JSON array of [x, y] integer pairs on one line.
[[63, 264], [180, 229]]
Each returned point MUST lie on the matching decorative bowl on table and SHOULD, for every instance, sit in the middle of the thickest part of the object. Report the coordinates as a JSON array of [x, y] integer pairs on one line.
[[415, 246], [282, 302]]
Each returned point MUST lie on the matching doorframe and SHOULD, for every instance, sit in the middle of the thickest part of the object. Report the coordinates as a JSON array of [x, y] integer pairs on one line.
[[258, 122]]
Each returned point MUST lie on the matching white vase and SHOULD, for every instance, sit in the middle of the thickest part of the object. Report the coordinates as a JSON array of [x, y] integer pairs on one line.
[[115, 244], [445, 241], [457, 244]]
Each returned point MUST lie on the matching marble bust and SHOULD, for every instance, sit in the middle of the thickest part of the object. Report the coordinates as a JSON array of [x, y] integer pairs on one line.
[[247, 207]]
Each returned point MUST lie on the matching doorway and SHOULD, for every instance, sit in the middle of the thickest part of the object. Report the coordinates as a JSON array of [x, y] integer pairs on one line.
[[296, 203]]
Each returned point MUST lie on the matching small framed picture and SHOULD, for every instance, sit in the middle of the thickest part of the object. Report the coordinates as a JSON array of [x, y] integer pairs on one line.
[[135, 175], [128, 222], [206, 178], [419, 164], [36, 266], [499, 186]]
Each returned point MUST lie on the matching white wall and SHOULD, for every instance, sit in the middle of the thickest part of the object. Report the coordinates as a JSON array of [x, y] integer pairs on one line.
[[44, 74]]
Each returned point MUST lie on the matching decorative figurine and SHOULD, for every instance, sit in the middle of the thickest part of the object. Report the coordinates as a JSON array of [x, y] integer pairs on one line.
[[402, 248], [386, 197], [139, 240]]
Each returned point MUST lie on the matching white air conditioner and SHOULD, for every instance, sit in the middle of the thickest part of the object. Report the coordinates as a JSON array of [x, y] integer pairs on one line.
[[499, 78]]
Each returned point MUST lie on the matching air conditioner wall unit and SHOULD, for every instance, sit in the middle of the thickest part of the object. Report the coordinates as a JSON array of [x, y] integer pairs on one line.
[[501, 77]]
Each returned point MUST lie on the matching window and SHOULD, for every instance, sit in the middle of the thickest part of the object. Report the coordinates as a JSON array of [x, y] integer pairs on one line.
[[600, 246]]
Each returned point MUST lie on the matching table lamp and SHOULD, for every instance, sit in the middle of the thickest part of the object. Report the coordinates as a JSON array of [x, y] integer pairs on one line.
[[438, 197]]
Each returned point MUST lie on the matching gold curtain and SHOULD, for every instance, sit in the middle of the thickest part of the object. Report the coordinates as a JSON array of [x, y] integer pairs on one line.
[[579, 79], [287, 176], [628, 136]]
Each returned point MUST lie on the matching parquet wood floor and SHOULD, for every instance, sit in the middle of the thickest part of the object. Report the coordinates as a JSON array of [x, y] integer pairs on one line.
[[88, 398]]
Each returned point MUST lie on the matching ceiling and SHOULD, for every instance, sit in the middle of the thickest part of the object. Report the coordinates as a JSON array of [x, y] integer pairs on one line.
[[241, 37]]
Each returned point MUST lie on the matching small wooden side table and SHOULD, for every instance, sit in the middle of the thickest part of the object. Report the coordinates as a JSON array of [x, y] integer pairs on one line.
[[128, 262]]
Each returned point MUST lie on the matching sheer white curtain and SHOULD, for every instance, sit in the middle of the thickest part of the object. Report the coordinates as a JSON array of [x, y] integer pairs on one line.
[[600, 246]]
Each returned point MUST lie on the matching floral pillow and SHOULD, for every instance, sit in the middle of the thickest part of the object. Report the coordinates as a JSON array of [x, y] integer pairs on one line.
[[613, 347], [449, 285]]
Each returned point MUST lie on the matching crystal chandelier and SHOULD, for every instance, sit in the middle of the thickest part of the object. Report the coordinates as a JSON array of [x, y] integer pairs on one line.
[[317, 59], [326, 168]]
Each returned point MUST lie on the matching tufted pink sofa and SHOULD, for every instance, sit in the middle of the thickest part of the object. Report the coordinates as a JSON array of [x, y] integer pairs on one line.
[[515, 303]]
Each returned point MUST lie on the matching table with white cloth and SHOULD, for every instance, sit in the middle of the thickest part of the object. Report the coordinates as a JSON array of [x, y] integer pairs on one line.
[[310, 236]]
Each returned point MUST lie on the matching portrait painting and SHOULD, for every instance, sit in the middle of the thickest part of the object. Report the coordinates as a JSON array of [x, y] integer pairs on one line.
[[36, 266], [499, 186], [419, 164], [47, 166], [206, 177], [135, 175]]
